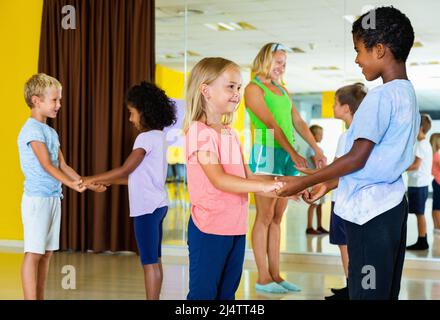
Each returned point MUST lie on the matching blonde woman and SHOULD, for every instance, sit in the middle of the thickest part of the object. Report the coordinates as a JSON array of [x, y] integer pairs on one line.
[[273, 117]]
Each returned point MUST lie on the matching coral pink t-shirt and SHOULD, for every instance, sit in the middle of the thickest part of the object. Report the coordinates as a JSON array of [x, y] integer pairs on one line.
[[436, 167], [214, 211]]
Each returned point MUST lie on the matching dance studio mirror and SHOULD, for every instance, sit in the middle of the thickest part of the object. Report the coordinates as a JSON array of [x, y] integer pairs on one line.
[[320, 59]]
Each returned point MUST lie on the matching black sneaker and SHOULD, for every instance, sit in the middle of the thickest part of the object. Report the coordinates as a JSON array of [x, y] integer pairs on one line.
[[341, 295], [421, 244], [334, 290]]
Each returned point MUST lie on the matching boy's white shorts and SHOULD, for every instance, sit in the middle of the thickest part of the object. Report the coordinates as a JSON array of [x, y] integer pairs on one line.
[[41, 218]]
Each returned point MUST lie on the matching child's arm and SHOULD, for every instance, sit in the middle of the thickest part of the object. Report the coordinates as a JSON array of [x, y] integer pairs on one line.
[[118, 175], [304, 131], [250, 175], [415, 165], [72, 174], [230, 183], [68, 171], [354, 160], [40, 151]]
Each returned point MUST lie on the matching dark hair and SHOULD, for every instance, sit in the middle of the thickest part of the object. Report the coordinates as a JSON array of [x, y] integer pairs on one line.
[[156, 110], [314, 129], [425, 122], [391, 28], [352, 95]]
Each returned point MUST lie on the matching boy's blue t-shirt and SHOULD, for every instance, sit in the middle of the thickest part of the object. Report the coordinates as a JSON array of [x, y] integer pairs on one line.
[[38, 182], [389, 117]]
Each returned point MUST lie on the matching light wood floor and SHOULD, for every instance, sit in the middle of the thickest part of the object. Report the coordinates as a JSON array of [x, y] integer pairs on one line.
[[119, 276]]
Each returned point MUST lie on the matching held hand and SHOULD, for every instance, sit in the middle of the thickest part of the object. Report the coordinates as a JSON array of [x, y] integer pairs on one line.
[[315, 193], [77, 186], [292, 186], [97, 187], [271, 185], [298, 160], [87, 181], [320, 160]]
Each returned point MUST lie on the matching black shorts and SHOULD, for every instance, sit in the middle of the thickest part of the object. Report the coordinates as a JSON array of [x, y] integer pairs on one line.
[[417, 197], [337, 229]]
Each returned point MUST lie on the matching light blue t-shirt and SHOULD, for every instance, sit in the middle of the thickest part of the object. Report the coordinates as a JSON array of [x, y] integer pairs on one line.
[[38, 182], [389, 117]]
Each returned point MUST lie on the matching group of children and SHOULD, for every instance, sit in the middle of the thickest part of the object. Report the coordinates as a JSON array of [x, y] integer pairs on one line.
[[370, 205], [420, 174]]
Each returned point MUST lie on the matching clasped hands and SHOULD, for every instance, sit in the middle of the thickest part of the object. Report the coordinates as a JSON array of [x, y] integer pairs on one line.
[[293, 187], [85, 183]]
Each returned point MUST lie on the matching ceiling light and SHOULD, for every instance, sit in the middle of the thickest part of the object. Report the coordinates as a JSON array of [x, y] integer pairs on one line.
[[246, 26], [425, 63], [230, 26], [322, 68], [297, 50], [226, 26]]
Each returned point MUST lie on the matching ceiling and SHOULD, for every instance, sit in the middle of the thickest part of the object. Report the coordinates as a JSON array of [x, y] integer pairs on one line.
[[316, 27]]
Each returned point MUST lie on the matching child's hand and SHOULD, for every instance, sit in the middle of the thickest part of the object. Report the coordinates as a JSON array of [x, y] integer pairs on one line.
[[77, 186], [292, 186], [271, 185], [97, 187], [315, 193], [87, 181]]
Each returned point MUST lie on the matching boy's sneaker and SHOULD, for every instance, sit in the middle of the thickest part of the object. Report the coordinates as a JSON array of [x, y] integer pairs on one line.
[[334, 290], [341, 295]]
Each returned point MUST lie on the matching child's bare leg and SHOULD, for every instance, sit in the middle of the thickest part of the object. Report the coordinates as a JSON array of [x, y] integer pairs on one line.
[[29, 275], [153, 281], [436, 218], [310, 216], [161, 272], [43, 269], [319, 216], [421, 225], [344, 258]]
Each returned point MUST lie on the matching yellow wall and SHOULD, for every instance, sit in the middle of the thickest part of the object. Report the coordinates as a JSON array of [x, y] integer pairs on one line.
[[20, 35], [171, 81], [328, 99]]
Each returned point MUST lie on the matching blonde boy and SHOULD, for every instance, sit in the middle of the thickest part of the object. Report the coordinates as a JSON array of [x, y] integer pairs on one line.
[[44, 168]]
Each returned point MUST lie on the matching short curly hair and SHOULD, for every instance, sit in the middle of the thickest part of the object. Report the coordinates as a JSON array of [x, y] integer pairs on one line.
[[156, 110], [392, 28]]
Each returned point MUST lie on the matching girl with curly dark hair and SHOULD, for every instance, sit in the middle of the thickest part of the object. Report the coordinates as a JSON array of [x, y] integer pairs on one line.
[[145, 173]]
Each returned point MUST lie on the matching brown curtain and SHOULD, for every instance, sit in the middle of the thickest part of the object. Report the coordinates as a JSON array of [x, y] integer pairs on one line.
[[111, 49]]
